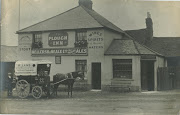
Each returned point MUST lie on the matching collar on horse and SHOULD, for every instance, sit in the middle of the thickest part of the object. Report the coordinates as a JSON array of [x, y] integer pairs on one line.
[[67, 76]]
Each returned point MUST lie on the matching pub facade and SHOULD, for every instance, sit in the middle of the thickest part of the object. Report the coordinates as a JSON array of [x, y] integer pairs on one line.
[[82, 40]]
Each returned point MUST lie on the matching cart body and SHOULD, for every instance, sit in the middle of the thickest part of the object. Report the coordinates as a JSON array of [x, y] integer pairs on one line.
[[33, 77]]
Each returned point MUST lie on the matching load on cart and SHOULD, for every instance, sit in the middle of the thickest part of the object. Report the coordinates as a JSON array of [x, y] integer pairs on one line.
[[33, 77]]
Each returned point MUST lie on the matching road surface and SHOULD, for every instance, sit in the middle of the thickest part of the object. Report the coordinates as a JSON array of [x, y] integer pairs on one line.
[[92, 102]]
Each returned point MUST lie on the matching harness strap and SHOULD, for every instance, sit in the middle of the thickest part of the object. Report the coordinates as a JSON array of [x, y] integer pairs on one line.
[[60, 81]]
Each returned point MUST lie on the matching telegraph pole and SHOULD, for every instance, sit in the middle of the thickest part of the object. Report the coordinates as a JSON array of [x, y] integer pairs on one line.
[[19, 14]]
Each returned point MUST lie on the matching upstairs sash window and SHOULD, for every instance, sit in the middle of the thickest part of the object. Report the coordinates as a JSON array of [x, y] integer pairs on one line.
[[81, 35], [81, 39], [37, 40]]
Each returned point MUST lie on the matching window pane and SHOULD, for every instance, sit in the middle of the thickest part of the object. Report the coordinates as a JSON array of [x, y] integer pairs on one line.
[[81, 65], [37, 37], [81, 35], [122, 68]]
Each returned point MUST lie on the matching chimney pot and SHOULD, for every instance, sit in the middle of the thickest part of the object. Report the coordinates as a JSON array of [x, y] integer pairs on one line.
[[148, 15], [86, 3], [149, 28]]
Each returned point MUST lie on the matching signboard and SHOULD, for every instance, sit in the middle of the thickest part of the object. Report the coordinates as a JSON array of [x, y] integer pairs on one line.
[[60, 51], [148, 57], [25, 69], [95, 40], [58, 39]]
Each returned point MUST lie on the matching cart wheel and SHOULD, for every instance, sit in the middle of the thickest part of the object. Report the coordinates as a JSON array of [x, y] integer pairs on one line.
[[23, 88], [37, 92]]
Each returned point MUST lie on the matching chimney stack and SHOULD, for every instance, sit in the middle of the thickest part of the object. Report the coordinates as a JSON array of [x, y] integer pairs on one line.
[[149, 28], [86, 3]]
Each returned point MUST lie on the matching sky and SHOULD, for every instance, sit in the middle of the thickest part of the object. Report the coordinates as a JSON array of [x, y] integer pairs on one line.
[[126, 14]]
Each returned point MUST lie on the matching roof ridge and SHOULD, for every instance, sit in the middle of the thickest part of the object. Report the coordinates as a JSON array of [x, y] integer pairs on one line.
[[136, 47], [108, 47], [142, 44], [91, 15], [104, 25], [47, 19]]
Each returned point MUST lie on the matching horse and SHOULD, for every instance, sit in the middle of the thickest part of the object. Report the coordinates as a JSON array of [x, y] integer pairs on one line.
[[66, 79]]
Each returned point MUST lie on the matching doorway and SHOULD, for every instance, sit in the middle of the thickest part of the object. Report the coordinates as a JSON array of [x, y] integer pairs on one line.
[[96, 75], [147, 75]]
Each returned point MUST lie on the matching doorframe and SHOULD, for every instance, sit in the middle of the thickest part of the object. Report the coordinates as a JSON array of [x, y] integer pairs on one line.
[[153, 61], [92, 74]]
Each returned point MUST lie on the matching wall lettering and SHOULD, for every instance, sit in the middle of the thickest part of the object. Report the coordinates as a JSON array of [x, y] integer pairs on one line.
[[95, 40], [60, 51], [58, 39]]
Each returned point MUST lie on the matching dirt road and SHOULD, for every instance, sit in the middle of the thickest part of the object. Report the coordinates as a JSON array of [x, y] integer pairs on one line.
[[90, 102]]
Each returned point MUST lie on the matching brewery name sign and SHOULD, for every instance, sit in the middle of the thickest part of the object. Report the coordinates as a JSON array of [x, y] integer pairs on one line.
[[58, 39], [60, 51]]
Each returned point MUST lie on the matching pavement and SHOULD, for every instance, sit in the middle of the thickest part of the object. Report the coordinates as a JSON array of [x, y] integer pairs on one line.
[[97, 103]]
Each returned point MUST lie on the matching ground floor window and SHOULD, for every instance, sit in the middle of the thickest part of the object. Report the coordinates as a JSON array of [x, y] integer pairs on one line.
[[122, 68], [81, 65]]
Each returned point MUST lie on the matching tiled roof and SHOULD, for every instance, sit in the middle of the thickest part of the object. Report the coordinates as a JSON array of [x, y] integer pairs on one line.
[[76, 18], [128, 47], [103, 21], [8, 53], [168, 46], [139, 35]]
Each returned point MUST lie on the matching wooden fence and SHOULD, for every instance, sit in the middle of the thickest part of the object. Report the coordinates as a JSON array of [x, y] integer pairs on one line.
[[168, 78]]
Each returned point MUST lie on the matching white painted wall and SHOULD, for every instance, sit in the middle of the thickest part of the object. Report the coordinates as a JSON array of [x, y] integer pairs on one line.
[[24, 47], [109, 36], [136, 67]]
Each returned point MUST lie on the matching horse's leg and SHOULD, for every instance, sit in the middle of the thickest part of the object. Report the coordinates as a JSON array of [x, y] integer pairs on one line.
[[71, 89], [68, 89], [57, 90]]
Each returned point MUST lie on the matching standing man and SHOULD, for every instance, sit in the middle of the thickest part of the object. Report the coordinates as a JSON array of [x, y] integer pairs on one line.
[[10, 79]]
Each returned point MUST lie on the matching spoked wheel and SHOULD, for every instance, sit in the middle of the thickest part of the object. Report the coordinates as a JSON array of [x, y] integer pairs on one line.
[[37, 92], [23, 88]]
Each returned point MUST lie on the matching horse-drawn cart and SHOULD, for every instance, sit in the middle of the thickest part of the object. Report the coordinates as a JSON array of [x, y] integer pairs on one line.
[[33, 77]]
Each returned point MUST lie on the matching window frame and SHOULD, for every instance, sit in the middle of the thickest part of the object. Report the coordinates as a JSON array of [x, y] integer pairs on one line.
[[77, 67], [123, 71], [34, 37], [82, 36], [37, 40], [56, 59]]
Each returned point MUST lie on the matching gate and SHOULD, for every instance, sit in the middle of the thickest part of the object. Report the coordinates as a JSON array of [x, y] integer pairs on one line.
[[168, 78], [178, 77]]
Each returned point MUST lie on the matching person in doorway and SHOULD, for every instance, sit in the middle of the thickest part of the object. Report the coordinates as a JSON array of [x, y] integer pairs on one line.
[[10, 79]]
